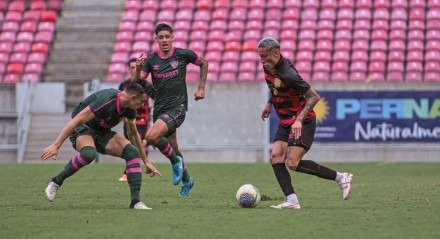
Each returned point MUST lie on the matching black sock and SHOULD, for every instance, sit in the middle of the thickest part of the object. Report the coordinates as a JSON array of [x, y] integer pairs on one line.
[[54, 179], [310, 167], [283, 178], [133, 202]]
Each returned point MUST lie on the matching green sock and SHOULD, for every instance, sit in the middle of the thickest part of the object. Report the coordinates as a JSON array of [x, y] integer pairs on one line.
[[165, 148], [86, 155], [186, 176]]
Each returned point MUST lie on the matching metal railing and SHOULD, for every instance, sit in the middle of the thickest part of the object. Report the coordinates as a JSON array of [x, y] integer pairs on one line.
[[23, 120]]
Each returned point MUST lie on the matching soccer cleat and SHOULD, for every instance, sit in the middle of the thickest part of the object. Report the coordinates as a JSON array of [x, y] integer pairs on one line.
[[287, 205], [123, 178], [345, 185], [51, 190], [141, 206], [177, 171], [184, 192]]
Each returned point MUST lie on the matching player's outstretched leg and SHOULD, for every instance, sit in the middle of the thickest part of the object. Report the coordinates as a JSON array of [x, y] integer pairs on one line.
[[134, 175], [343, 179], [86, 155], [176, 161]]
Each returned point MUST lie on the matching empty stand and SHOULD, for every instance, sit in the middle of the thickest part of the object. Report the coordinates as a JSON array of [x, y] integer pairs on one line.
[[27, 32], [328, 40]]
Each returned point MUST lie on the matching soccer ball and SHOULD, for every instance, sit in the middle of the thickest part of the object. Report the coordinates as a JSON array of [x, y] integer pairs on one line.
[[248, 196]]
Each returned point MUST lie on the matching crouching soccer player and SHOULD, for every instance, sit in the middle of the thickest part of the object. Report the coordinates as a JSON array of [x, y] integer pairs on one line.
[[90, 132]]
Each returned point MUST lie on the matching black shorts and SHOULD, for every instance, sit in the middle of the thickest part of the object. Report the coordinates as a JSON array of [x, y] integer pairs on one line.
[[284, 133], [142, 130], [173, 119], [100, 138]]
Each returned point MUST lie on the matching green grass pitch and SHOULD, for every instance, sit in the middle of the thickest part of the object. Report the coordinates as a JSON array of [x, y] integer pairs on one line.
[[400, 200]]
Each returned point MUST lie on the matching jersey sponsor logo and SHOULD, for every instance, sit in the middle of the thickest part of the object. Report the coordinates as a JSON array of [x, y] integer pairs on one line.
[[174, 64], [168, 74], [156, 67]]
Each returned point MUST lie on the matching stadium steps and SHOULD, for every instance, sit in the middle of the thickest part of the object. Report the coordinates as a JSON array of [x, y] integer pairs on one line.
[[44, 129], [83, 44]]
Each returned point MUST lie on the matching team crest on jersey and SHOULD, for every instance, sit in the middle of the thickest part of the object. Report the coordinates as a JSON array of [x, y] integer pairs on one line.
[[174, 64], [155, 67], [277, 82]]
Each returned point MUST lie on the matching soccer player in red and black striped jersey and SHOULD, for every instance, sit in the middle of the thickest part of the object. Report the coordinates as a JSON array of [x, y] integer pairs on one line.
[[168, 73], [293, 100]]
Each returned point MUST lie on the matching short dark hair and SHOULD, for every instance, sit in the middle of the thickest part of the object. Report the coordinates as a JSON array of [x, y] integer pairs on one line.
[[136, 87], [130, 61], [162, 27]]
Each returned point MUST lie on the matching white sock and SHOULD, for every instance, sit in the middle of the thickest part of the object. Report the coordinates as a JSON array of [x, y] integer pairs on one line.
[[292, 198], [339, 176]]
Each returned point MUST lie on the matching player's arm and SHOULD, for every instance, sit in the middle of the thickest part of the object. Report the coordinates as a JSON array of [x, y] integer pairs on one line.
[[134, 135], [203, 64], [266, 110], [82, 117], [312, 98]]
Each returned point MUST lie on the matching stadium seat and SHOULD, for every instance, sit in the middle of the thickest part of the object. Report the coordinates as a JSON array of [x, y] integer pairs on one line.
[[304, 67], [344, 25], [141, 46], [359, 55], [250, 56], [415, 46], [147, 14], [433, 55], [320, 76], [252, 35], [414, 66], [23, 47], [305, 55], [46, 27], [290, 25], [231, 56], [117, 68], [398, 45], [396, 55], [236, 25], [341, 55], [16, 6], [324, 45], [291, 14], [219, 14], [46, 37], [119, 57], [274, 14], [202, 15], [11, 78], [414, 55], [31, 15], [358, 76], [15, 68], [238, 14], [397, 34], [213, 55], [48, 16], [18, 57], [322, 34], [378, 56], [327, 14], [127, 26], [233, 46], [10, 27], [138, 36], [378, 45], [216, 35], [133, 5], [37, 57], [184, 15], [124, 36], [321, 66], [398, 25], [13, 16], [255, 14], [54, 5], [218, 25], [309, 14], [38, 5], [34, 68], [343, 35], [40, 47], [197, 46], [234, 36], [6, 47], [251, 45], [358, 66], [339, 76], [399, 14], [7, 37], [432, 76]]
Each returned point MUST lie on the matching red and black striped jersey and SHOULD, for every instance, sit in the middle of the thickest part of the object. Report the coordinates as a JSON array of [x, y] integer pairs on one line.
[[287, 90]]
